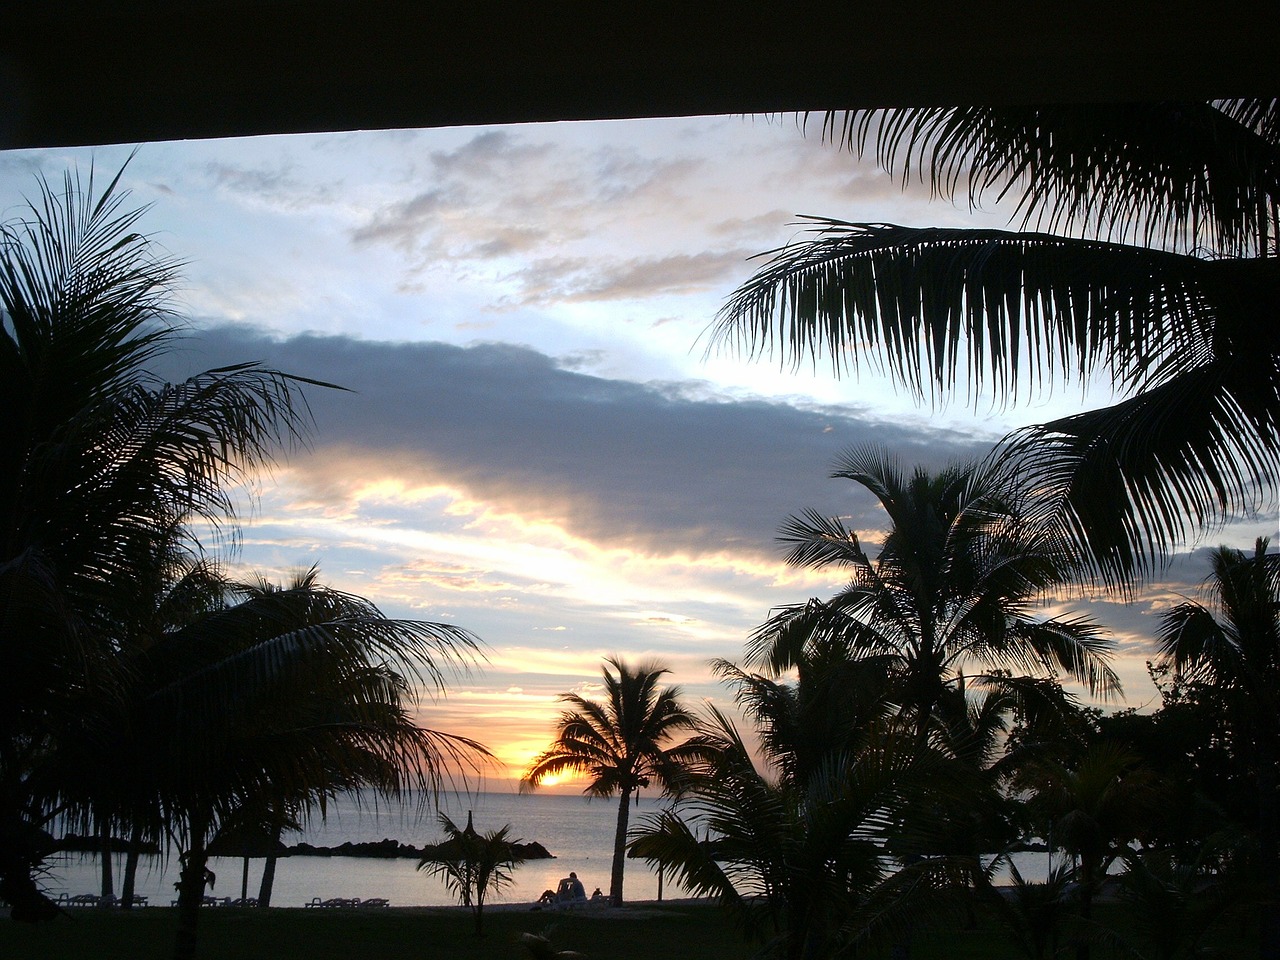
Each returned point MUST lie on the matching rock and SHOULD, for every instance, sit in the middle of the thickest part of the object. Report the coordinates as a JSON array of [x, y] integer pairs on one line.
[[389, 849]]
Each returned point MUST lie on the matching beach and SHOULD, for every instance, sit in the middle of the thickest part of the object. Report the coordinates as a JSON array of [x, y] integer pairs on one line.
[[577, 830]]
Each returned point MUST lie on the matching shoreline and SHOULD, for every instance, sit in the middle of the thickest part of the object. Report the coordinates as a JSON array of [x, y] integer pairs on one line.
[[632, 908]]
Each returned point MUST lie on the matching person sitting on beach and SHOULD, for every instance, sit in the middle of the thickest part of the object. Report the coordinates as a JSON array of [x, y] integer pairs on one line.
[[597, 895], [548, 896], [571, 889]]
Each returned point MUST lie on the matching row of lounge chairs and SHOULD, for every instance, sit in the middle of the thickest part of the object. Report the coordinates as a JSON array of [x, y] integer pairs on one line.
[[93, 900], [373, 902]]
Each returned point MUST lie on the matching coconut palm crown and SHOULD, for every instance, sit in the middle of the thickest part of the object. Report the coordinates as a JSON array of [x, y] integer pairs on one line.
[[1145, 254], [621, 744], [959, 583]]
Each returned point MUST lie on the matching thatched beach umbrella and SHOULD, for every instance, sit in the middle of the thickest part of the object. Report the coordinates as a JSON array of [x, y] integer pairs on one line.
[[246, 839]]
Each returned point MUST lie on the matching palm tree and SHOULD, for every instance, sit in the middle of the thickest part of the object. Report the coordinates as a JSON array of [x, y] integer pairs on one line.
[[1094, 808], [1232, 647], [99, 461], [620, 744], [1032, 913], [792, 836], [1146, 254], [1174, 905], [305, 602], [276, 703], [170, 589], [958, 582], [473, 865]]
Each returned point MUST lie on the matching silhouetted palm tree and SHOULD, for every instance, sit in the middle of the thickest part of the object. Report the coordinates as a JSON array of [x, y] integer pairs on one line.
[[1094, 808], [795, 842], [99, 461], [1146, 255], [621, 744], [958, 583], [1034, 914], [472, 864], [1173, 905], [281, 700], [1232, 646]]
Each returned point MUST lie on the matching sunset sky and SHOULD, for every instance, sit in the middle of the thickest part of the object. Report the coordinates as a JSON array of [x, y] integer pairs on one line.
[[536, 445]]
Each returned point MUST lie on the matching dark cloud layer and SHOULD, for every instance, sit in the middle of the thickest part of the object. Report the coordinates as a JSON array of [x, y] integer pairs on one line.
[[656, 467]]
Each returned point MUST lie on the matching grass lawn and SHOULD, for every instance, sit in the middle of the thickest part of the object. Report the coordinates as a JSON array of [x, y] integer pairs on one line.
[[404, 934], [698, 932]]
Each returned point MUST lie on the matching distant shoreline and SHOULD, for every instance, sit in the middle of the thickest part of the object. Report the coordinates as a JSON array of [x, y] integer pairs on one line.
[[392, 849], [385, 849]]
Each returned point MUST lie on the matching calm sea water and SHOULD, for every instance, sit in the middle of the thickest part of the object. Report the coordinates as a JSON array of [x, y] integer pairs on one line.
[[578, 830]]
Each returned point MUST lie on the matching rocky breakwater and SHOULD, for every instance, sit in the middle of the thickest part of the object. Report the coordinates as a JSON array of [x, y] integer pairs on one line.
[[390, 849]]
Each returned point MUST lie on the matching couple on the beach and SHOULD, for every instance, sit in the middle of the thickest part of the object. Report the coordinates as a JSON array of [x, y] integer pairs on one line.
[[570, 890]]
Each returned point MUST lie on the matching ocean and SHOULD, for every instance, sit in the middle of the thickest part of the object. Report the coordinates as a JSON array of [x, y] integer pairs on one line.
[[576, 829]]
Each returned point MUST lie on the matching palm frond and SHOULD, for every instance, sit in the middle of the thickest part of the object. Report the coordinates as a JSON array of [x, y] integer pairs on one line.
[[1127, 483], [1147, 257], [991, 309], [1186, 174]]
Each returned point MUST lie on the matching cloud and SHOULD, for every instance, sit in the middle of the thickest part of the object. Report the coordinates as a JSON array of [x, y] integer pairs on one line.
[[402, 223], [565, 216], [565, 516], [269, 180], [579, 280], [653, 468], [762, 228], [485, 155], [496, 194]]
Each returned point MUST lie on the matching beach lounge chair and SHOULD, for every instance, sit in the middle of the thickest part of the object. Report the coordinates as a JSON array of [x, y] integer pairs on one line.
[[375, 902], [570, 893], [83, 900]]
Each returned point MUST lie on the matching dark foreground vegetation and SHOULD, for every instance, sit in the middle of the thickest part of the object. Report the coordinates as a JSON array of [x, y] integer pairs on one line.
[[642, 933]]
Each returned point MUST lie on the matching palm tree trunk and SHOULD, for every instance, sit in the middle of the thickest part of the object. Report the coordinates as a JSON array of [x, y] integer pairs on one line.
[[269, 866], [104, 851], [191, 889], [620, 847], [1088, 876], [268, 880], [131, 856], [1268, 848]]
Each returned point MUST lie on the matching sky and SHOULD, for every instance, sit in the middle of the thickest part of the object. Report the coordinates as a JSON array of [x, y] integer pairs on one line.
[[537, 440]]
